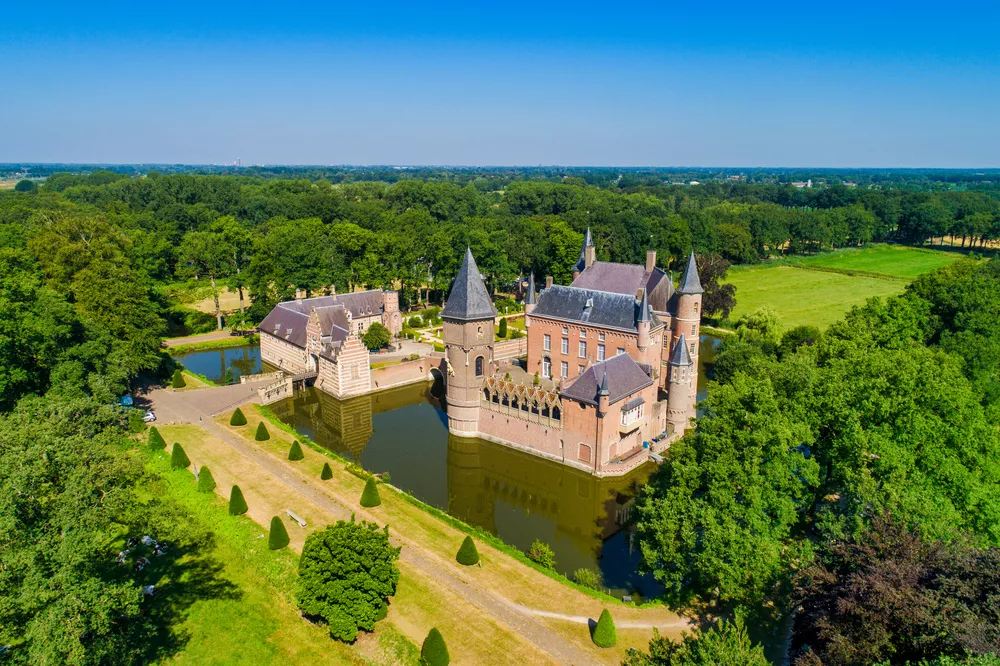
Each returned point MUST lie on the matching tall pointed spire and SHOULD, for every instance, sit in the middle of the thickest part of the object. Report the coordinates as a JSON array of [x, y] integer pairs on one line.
[[644, 308], [680, 355], [468, 299], [581, 263], [604, 383], [690, 283], [529, 299]]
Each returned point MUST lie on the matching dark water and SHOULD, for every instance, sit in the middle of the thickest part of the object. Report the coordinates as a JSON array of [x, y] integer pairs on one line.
[[513, 495], [223, 366]]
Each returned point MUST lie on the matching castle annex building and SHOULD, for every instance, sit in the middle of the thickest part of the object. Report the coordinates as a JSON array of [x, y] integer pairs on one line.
[[321, 337], [611, 371]]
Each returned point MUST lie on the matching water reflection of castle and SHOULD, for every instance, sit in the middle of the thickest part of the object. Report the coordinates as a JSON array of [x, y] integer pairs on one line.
[[507, 492]]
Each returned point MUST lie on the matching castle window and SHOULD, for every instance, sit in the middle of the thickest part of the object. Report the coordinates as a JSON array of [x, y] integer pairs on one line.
[[600, 337], [564, 369], [479, 366], [565, 345], [583, 333], [565, 330], [547, 367], [600, 352], [584, 453], [694, 330], [621, 350], [665, 342], [696, 307], [547, 342], [583, 350], [580, 369], [692, 347], [479, 332]]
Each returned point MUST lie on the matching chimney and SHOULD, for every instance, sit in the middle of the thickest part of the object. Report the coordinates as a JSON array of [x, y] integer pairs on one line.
[[333, 290], [298, 295], [548, 281], [650, 260]]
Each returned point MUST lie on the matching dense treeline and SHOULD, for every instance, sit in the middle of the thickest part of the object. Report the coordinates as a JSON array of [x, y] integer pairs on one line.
[[891, 417], [268, 238]]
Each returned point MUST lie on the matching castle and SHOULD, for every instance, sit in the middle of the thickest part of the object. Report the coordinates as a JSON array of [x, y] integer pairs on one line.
[[611, 372]]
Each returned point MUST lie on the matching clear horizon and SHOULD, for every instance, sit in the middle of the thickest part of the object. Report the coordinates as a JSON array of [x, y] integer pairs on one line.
[[782, 86]]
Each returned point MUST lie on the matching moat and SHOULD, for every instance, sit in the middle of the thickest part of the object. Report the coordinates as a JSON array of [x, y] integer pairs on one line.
[[517, 496]]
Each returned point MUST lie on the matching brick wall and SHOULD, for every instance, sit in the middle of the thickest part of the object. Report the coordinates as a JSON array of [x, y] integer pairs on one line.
[[282, 354], [510, 349], [407, 372]]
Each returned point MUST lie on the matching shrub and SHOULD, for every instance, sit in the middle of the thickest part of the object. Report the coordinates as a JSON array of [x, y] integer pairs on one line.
[[178, 379], [350, 590], [516, 334], [536, 380], [327, 473], [377, 336], [604, 634], [413, 357], [262, 435], [503, 328], [540, 553], [415, 322], [206, 482], [589, 578], [179, 459], [237, 503], [155, 440], [438, 347], [370, 497], [467, 554], [295, 452], [237, 419], [135, 422], [277, 537], [434, 652], [25, 185]]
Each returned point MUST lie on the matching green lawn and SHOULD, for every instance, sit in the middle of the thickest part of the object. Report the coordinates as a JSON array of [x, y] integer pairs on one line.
[[894, 260], [231, 600]]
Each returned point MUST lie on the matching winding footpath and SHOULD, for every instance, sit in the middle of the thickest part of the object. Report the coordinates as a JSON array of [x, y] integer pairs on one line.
[[199, 407]]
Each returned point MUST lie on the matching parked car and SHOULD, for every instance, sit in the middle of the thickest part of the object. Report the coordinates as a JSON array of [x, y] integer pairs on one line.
[[149, 417]]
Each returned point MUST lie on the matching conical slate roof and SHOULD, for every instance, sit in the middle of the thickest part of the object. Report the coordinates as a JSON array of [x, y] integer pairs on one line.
[[581, 263], [680, 355], [529, 299], [468, 299], [644, 308], [690, 283]]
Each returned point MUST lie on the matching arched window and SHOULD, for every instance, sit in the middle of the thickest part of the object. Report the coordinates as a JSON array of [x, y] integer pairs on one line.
[[696, 307], [479, 366]]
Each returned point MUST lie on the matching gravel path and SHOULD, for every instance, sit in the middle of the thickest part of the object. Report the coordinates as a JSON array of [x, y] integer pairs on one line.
[[197, 407]]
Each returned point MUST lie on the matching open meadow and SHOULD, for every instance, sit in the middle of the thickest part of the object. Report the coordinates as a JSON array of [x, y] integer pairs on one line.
[[820, 289]]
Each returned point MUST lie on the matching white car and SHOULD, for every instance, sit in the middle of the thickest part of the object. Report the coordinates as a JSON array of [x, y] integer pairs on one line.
[[149, 417]]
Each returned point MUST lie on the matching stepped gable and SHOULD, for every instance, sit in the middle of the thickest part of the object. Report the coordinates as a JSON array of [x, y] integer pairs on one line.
[[690, 282], [294, 315], [627, 279], [468, 300], [619, 375], [590, 307]]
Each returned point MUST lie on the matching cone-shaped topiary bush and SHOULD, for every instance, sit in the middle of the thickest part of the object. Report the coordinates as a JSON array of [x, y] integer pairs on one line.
[[604, 634], [206, 482], [369, 497], [178, 379], [295, 452], [467, 554], [237, 419], [503, 328], [277, 538], [237, 505], [156, 440], [135, 422], [327, 473], [179, 459], [262, 434], [434, 652]]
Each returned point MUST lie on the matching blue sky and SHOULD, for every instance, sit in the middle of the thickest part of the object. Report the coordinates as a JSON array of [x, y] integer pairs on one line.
[[735, 84]]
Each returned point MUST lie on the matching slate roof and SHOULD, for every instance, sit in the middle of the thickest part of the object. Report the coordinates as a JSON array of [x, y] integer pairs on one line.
[[680, 355], [530, 296], [363, 303], [690, 283], [626, 279], [468, 300], [286, 323], [588, 241], [332, 311], [606, 309], [623, 377]]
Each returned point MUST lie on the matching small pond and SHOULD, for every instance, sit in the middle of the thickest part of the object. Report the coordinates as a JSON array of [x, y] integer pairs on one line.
[[223, 366]]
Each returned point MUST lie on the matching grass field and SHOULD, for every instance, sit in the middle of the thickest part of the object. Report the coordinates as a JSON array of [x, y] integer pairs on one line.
[[819, 290]]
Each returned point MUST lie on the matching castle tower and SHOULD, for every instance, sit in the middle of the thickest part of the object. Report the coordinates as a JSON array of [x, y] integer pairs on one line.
[[468, 317], [682, 372], [643, 323], [688, 321], [586, 259], [529, 299], [391, 317]]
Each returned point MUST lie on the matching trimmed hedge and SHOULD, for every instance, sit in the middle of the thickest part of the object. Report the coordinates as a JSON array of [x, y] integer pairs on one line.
[[277, 537], [434, 652], [468, 554], [237, 504], [295, 451], [206, 482], [178, 379], [156, 440], [327, 472], [262, 435], [370, 496], [237, 419], [604, 634], [179, 459]]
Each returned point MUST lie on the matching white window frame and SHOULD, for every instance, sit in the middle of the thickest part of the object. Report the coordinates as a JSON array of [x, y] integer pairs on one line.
[[583, 333], [564, 369], [600, 352], [547, 342], [565, 346], [547, 368], [583, 349]]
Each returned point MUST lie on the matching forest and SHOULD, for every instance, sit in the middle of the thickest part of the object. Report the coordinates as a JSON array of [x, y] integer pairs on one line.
[[871, 447]]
